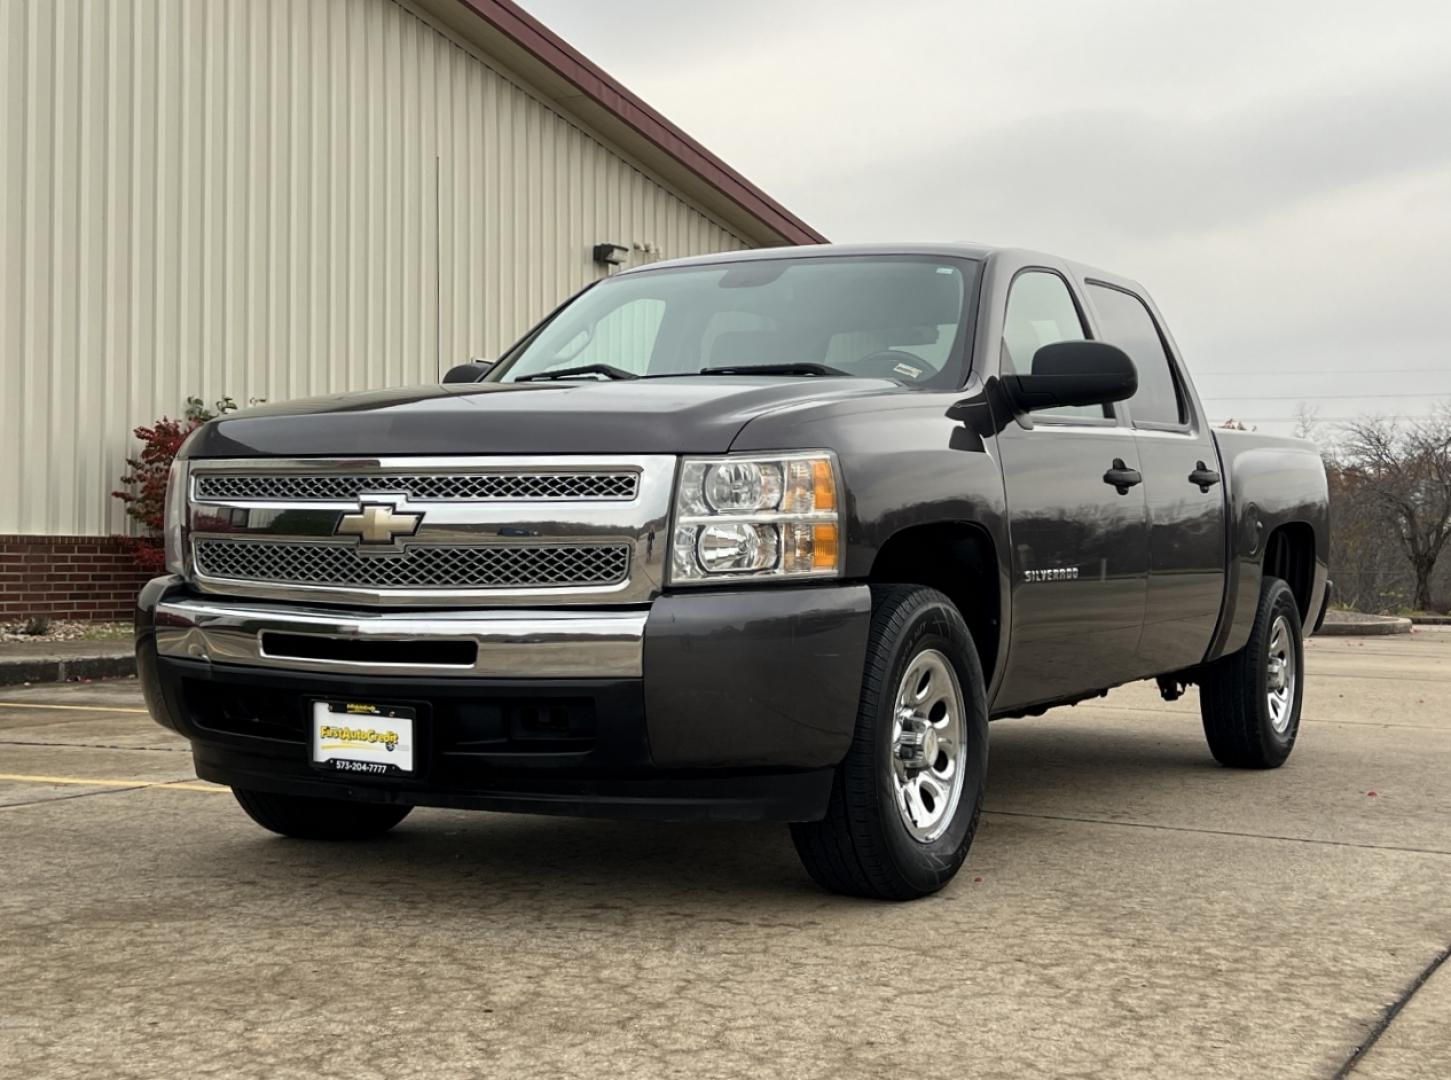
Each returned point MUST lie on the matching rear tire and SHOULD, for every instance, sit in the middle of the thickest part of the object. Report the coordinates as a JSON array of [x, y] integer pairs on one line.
[[1250, 701], [306, 818], [905, 801]]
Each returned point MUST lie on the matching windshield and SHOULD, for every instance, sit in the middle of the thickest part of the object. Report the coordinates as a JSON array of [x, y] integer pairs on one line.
[[893, 317]]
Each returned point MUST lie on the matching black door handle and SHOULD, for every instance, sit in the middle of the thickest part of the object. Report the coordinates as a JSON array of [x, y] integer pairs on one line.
[[1203, 477], [1122, 477]]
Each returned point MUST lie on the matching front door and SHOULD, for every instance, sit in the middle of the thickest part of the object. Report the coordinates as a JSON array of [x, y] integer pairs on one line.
[[1077, 521]]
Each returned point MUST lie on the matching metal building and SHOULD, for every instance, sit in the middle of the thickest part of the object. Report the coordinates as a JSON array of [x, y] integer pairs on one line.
[[277, 198]]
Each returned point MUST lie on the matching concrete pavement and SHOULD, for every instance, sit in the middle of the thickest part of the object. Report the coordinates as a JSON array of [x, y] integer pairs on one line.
[[1129, 909]]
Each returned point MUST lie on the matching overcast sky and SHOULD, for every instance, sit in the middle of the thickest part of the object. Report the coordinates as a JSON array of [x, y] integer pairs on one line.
[[1277, 174]]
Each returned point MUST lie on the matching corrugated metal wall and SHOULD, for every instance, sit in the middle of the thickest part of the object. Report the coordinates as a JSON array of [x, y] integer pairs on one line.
[[268, 199]]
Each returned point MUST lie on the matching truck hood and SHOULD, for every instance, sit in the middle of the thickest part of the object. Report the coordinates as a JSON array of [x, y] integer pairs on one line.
[[696, 415]]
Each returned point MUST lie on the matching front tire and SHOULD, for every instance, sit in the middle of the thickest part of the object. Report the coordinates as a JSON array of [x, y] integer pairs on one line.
[[905, 802], [1250, 701], [306, 818]]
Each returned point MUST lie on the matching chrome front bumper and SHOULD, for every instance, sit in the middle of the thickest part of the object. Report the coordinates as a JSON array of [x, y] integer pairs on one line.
[[507, 643]]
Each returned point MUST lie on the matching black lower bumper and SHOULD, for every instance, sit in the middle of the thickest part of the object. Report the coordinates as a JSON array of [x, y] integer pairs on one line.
[[746, 703]]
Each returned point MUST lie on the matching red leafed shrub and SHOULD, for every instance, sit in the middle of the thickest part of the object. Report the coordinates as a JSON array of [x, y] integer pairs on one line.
[[144, 484]]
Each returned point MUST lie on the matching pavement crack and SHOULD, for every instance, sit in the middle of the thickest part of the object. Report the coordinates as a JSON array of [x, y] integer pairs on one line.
[[1387, 1017], [96, 746], [1218, 832], [77, 795], [1380, 678]]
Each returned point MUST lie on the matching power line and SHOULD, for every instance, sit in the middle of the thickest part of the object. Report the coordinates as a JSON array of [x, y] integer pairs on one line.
[[1317, 419], [1321, 416], [1200, 372], [1318, 397]]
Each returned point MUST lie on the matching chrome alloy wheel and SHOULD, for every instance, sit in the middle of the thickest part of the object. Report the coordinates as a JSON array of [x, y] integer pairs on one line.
[[1280, 672], [928, 745]]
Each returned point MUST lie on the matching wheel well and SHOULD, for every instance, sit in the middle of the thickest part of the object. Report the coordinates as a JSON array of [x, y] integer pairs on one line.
[[1290, 554], [957, 559]]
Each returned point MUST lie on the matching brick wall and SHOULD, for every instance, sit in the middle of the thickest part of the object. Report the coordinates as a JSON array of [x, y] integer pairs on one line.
[[68, 577]]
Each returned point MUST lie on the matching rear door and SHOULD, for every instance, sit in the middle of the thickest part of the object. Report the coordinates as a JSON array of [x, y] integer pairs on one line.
[[1185, 493], [1079, 543]]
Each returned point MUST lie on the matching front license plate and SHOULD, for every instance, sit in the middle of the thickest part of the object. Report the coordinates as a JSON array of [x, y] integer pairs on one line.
[[359, 737]]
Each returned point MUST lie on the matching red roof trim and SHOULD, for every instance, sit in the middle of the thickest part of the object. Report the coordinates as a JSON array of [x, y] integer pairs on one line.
[[529, 34]]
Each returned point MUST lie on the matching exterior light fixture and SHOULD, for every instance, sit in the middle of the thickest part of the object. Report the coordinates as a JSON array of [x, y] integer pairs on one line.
[[610, 254]]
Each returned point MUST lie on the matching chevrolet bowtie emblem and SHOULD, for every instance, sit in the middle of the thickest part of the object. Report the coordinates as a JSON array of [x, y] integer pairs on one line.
[[376, 523]]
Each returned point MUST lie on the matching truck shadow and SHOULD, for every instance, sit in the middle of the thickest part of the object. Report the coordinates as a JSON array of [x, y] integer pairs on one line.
[[1122, 757], [487, 860], [483, 861]]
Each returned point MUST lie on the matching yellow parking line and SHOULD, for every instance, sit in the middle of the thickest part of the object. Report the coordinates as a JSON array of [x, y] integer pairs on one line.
[[26, 778], [72, 708], [83, 781], [210, 789]]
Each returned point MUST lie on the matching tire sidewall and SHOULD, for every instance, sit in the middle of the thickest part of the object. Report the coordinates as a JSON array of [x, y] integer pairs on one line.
[[936, 625], [1278, 601]]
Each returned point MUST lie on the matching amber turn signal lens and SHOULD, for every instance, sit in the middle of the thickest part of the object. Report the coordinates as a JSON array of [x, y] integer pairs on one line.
[[823, 547], [824, 488]]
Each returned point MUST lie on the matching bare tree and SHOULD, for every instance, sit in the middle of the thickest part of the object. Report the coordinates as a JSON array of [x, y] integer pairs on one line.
[[1307, 421], [1407, 469], [1370, 571]]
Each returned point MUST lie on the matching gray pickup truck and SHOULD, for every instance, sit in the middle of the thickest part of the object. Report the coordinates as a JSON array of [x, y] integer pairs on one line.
[[768, 535]]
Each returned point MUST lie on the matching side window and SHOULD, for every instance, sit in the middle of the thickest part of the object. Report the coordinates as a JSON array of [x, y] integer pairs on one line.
[[1125, 321], [1040, 312], [624, 338]]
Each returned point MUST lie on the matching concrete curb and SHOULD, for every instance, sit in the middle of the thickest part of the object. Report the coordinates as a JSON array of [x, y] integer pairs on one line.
[[49, 669], [1366, 626], [1431, 620]]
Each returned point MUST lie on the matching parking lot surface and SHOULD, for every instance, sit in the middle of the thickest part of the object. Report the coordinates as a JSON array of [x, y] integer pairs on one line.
[[1129, 909]]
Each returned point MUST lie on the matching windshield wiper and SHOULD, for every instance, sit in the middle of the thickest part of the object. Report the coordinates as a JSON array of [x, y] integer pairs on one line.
[[802, 368], [609, 371]]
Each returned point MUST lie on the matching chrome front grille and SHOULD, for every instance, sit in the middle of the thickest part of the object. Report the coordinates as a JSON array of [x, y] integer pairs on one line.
[[418, 566], [552, 486], [432, 532]]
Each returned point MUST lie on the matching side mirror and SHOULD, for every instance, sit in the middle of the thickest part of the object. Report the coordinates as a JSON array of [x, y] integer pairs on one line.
[[473, 371], [1074, 373]]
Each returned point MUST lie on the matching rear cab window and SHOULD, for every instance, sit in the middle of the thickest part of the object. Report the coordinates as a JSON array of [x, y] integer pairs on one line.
[[1124, 320]]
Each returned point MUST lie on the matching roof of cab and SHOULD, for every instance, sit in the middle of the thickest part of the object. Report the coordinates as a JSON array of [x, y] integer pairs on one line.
[[969, 251], [981, 252]]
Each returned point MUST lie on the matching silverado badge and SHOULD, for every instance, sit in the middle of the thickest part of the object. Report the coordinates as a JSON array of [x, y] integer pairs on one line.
[[1058, 573]]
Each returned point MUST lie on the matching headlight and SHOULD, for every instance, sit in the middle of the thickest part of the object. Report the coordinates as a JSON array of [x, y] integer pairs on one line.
[[772, 516], [174, 529], [742, 485]]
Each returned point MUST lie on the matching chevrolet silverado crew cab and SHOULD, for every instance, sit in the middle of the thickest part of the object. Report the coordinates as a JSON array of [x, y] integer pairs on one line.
[[767, 535]]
